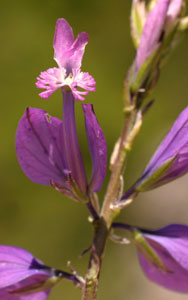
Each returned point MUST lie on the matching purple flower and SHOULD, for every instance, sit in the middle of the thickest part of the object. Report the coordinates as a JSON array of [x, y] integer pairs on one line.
[[68, 54], [48, 151], [162, 254], [170, 244], [152, 31], [23, 277], [170, 160]]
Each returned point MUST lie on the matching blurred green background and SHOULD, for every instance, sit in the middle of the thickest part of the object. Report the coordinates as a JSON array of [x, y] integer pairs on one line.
[[36, 217]]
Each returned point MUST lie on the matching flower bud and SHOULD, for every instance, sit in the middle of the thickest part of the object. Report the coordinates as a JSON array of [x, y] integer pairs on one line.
[[138, 18], [154, 32], [173, 13]]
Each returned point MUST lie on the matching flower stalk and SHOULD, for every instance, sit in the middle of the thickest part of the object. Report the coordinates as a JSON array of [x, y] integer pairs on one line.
[[109, 211], [126, 141], [147, 61], [49, 154]]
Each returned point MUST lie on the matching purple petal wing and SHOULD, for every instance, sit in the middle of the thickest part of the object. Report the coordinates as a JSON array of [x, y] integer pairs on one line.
[[152, 31], [35, 296], [176, 281], [38, 149], [171, 244], [5, 295], [63, 39], [178, 168], [175, 143], [27, 289], [174, 238], [97, 146], [174, 147], [16, 265]]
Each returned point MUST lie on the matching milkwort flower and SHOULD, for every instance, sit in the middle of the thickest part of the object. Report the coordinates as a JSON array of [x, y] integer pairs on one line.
[[23, 277], [170, 160], [47, 148], [170, 244], [163, 254], [68, 54]]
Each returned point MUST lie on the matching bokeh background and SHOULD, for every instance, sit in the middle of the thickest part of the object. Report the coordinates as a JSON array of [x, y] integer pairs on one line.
[[36, 217]]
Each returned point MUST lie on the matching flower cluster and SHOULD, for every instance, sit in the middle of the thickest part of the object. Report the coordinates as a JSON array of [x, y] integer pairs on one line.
[[49, 153], [162, 253]]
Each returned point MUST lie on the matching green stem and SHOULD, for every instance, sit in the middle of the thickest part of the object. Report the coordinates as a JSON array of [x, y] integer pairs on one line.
[[97, 250], [118, 168], [102, 225]]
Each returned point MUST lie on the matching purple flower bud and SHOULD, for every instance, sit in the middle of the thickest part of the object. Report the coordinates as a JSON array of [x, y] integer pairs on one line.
[[68, 54], [170, 160], [152, 31], [170, 244], [23, 277], [173, 13]]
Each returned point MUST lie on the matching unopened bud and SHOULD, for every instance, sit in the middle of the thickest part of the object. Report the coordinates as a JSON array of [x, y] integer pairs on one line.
[[173, 13], [138, 18]]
